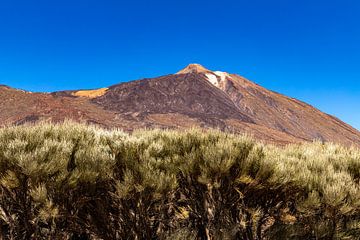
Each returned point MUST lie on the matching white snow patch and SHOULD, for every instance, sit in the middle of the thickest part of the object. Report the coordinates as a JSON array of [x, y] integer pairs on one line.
[[217, 78], [222, 75], [212, 79]]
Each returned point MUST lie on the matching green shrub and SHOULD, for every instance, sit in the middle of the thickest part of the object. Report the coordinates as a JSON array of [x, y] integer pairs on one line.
[[72, 181]]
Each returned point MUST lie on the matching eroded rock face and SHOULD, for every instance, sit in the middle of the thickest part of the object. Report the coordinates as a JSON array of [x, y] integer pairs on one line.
[[195, 96]]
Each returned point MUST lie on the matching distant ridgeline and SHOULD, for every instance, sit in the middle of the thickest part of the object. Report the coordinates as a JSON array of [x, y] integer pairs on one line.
[[73, 181]]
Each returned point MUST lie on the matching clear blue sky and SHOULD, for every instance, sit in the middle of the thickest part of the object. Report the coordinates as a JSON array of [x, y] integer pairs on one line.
[[305, 49]]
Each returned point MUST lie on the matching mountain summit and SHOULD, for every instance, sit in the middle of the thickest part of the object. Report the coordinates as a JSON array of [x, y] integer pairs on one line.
[[195, 96], [193, 68], [216, 78]]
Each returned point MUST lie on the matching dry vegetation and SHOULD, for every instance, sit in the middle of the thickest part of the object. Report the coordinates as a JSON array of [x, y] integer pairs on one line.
[[72, 181]]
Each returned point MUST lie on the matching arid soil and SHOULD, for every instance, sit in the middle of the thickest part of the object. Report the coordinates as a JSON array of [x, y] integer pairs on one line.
[[193, 97]]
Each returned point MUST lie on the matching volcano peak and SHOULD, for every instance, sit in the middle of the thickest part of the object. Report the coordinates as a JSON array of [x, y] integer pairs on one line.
[[193, 68]]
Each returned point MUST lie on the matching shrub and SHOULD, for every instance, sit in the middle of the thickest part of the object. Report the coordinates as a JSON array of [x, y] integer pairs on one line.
[[72, 181]]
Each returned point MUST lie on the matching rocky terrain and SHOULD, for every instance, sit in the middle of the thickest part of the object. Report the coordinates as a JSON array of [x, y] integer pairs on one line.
[[193, 97]]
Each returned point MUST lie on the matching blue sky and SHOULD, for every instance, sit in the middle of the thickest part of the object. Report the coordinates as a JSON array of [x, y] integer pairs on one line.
[[305, 49]]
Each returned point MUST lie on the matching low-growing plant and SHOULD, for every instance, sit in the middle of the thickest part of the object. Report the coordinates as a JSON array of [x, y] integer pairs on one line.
[[72, 181]]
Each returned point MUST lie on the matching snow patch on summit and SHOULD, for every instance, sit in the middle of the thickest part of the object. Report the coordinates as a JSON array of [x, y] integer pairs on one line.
[[217, 78], [222, 75], [212, 79]]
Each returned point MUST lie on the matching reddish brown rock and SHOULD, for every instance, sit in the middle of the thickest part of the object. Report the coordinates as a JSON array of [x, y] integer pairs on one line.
[[195, 96]]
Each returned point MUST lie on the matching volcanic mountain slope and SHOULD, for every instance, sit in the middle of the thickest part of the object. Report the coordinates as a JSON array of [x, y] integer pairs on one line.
[[277, 111], [195, 96], [19, 107]]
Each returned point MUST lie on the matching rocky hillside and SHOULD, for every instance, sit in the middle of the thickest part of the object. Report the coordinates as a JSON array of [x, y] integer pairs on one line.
[[195, 96]]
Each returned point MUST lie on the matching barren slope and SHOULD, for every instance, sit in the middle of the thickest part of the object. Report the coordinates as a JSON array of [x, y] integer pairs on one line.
[[282, 113], [195, 96]]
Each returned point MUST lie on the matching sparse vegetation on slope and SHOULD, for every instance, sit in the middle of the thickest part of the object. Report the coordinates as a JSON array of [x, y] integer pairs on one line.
[[72, 181]]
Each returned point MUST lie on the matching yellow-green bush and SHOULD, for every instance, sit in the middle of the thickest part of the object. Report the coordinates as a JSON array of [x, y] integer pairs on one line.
[[72, 181]]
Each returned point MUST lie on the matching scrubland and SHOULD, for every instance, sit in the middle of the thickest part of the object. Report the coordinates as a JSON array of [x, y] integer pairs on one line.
[[72, 181]]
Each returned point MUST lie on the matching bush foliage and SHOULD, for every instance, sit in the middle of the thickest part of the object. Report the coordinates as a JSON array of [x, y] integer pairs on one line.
[[72, 181]]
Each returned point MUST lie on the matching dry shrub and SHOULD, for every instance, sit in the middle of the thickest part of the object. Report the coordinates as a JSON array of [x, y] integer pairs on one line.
[[72, 181]]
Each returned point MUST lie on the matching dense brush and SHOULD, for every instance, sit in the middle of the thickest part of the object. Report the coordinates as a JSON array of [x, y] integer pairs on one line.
[[72, 181]]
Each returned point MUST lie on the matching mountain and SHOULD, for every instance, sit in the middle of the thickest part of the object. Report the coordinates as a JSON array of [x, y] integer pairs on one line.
[[195, 96]]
